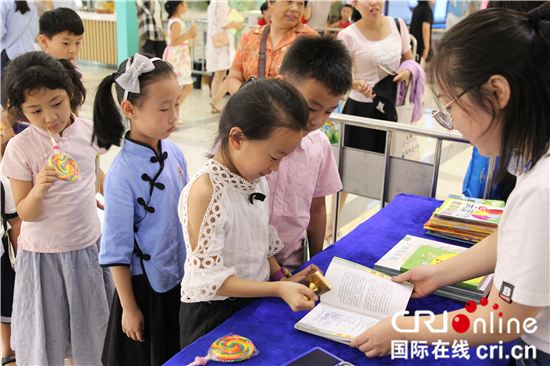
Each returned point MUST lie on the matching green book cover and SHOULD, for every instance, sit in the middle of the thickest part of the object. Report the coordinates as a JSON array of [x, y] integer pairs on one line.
[[426, 255]]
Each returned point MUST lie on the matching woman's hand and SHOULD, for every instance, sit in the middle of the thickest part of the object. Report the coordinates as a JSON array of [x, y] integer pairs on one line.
[[424, 278], [133, 323], [293, 293], [45, 180], [402, 75], [376, 341], [302, 274], [365, 89], [238, 25]]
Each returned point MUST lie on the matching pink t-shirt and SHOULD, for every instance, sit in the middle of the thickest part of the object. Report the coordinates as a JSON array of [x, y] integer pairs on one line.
[[368, 55], [68, 220], [309, 172]]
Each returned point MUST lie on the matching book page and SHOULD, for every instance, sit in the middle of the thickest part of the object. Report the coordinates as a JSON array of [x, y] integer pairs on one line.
[[355, 289], [333, 323], [403, 250]]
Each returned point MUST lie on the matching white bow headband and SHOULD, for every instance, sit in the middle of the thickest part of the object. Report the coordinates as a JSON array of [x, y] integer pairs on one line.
[[129, 81]]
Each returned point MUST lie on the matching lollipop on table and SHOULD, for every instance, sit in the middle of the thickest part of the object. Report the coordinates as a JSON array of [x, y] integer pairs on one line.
[[66, 167], [231, 348]]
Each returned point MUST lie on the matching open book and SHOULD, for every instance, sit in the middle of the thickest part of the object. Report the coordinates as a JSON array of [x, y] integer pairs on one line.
[[360, 298]]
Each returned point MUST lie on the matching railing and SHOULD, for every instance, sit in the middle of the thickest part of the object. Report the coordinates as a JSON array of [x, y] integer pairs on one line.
[[409, 176]]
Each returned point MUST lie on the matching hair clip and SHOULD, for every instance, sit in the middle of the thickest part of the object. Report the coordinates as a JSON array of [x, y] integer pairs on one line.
[[129, 81]]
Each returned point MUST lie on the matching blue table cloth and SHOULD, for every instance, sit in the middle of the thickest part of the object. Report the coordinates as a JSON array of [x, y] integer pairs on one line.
[[269, 322]]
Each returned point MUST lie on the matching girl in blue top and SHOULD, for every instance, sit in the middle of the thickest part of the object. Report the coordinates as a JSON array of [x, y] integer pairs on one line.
[[142, 237]]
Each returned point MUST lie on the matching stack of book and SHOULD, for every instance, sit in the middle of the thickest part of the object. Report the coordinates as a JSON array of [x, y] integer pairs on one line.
[[412, 251], [468, 220]]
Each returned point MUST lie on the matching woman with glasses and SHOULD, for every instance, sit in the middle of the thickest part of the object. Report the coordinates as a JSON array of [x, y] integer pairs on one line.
[[492, 73]]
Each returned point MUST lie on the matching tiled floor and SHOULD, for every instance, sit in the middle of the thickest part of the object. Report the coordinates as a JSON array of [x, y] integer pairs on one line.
[[196, 136]]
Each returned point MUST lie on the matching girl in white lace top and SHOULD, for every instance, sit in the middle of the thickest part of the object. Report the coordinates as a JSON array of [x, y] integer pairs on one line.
[[224, 211]]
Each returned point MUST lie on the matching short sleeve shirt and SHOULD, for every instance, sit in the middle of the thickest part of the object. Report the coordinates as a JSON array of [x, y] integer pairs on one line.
[[309, 172], [365, 56], [422, 14], [68, 220], [246, 58], [523, 250]]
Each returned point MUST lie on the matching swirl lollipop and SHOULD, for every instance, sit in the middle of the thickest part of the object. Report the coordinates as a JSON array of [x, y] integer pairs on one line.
[[2, 128], [65, 166], [231, 348]]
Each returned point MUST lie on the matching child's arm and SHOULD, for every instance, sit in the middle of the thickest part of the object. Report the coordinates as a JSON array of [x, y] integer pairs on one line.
[[175, 29], [132, 319], [317, 225], [29, 199], [15, 224], [290, 292]]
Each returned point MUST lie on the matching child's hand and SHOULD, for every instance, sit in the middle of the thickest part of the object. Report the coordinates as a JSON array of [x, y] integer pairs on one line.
[[133, 323], [376, 341], [45, 180], [293, 293], [424, 278], [365, 89], [192, 32], [303, 274]]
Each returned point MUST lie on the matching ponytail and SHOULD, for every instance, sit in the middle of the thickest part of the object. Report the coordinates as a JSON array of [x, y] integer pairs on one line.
[[108, 126]]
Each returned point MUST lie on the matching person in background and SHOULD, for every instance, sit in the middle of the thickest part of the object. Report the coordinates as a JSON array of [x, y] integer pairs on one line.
[[219, 59], [373, 40], [61, 34], [284, 28], [316, 14], [177, 52], [266, 19], [151, 31], [345, 21], [19, 30], [335, 11], [421, 28]]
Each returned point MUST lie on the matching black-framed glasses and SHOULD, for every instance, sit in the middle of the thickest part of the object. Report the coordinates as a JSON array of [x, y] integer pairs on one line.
[[443, 116]]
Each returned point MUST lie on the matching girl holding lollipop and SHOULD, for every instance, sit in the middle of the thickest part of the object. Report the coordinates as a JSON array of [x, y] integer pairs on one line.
[[60, 307]]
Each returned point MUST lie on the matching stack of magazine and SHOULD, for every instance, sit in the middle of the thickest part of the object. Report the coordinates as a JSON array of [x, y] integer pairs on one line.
[[412, 251], [468, 220]]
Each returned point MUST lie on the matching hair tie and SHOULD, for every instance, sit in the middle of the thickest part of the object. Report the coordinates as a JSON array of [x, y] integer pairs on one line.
[[113, 76], [534, 17]]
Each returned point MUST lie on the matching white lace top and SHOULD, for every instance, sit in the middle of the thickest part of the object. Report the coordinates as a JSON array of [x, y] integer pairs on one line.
[[387, 53], [235, 238]]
